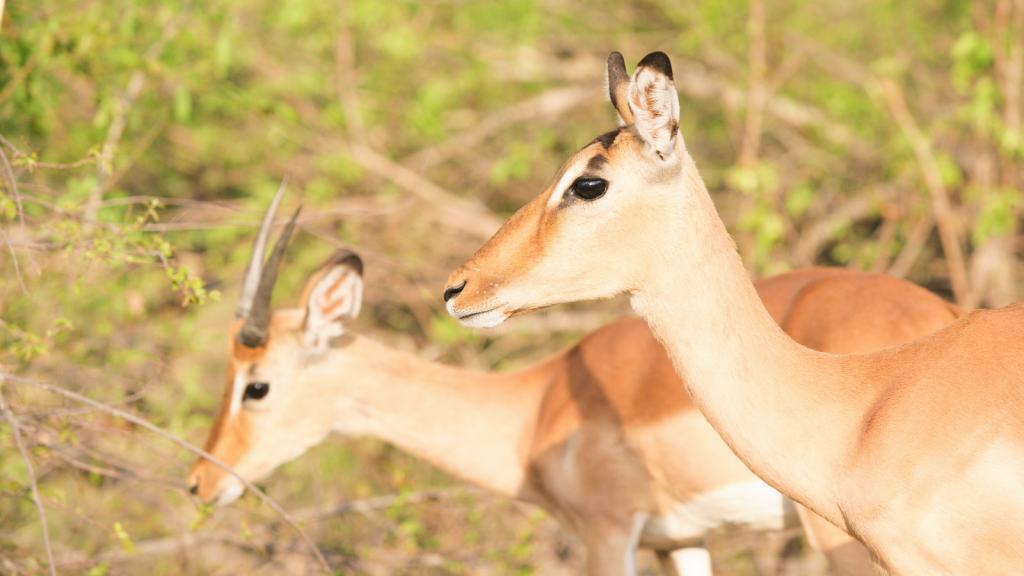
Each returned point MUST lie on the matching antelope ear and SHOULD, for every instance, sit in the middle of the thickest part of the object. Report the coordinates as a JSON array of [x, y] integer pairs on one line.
[[332, 297], [654, 103], [618, 84]]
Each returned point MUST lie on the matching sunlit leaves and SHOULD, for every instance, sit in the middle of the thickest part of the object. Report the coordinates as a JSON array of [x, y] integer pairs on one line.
[[972, 55]]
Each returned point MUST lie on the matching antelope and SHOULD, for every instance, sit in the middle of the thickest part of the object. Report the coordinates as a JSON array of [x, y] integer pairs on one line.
[[602, 435], [916, 449]]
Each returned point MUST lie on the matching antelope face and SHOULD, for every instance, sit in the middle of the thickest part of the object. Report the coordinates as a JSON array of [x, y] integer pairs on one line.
[[263, 421], [570, 243], [276, 404]]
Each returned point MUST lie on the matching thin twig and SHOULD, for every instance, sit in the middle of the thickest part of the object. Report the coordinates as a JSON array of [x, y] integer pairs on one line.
[[940, 197], [14, 257], [1013, 85], [346, 79], [552, 103], [19, 76], [137, 152], [916, 241], [31, 477], [17, 200], [169, 544], [197, 451], [120, 121], [469, 215], [757, 91]]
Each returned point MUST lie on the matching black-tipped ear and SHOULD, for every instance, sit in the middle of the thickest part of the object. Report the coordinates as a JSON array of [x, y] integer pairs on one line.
[[653, 100], [618, 85], [659, 62], [332, 298]]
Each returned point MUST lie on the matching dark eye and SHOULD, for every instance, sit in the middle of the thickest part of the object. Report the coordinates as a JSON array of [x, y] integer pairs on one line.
[[256, 390], [589, 188]]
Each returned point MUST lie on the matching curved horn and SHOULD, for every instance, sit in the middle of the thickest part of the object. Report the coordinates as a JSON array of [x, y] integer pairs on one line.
[[254, 333], [254, 269]]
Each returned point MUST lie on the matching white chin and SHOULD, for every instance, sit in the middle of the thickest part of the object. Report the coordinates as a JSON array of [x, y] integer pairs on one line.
[[484, 319], [229, 494], [488, 319]]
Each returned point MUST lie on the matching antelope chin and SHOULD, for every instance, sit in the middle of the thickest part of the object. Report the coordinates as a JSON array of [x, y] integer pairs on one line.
[[482, 319], [229, 494]]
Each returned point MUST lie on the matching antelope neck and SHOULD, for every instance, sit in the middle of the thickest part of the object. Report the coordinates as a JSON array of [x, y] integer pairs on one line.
[[470, 424], [782, 408]]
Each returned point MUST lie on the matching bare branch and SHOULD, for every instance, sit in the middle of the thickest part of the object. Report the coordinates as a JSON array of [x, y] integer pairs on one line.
[[171, 544], [345, 66], [940, 197], [14, 257], [551, 103], [17, 200], [813, 237], [1013, 85], [757, 92], [13, 423], [124, 104], [197, 451], [19, 76], [916, 240]]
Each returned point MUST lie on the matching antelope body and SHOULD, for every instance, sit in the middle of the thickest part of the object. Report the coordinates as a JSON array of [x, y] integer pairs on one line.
[[601, 435], [917, 449]]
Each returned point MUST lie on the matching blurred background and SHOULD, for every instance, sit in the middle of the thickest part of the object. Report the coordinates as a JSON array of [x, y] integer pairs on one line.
[[142, 141]]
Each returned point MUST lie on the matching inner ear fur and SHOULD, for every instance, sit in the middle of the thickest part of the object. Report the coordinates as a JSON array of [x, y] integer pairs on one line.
[[331, 299], [342, 257], [654, 103]]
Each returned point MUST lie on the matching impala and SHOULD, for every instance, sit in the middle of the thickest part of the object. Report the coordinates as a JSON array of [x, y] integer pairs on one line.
[[601, 435], [917, 449]]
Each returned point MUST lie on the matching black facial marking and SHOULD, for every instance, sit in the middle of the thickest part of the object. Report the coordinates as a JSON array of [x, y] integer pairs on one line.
[[256, 390], [596, 163], [606, 139], [659, 62]]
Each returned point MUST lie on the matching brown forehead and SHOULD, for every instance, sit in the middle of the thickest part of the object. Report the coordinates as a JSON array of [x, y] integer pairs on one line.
[[241, 352], [604, 149], [597, 154]]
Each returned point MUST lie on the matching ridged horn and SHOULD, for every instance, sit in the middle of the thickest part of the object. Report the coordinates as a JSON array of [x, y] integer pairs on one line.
[[254, 270], [255, 330]]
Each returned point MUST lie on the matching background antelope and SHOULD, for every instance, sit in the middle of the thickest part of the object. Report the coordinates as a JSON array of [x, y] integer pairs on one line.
[[601, 435], [916, 449]]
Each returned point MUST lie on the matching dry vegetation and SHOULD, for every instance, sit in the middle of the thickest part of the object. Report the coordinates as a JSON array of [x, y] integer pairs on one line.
[[142, 140]]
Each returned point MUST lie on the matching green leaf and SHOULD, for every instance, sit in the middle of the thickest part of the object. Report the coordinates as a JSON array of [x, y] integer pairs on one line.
[[182, 104], [122, 535]]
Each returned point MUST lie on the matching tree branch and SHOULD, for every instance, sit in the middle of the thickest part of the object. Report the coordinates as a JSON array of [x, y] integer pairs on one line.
[[940, 197], [13, 423], [197, 451]]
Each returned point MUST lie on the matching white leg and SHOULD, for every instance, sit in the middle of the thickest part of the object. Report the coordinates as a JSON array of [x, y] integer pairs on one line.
[[686, 562]]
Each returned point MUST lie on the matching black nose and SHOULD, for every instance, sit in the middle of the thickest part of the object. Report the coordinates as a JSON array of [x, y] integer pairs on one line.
[[194, 489], [454, 291]]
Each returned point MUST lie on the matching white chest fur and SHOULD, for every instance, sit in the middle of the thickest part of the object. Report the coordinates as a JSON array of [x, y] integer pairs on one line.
[[749, 506]]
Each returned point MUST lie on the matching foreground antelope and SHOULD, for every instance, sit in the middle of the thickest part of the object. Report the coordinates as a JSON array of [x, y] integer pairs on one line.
[[917, 449], [602, 435]]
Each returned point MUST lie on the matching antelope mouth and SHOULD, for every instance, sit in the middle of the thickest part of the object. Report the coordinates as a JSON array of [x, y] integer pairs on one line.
[[478, 318]]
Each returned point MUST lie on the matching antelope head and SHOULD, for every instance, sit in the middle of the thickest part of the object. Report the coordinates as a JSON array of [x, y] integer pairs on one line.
[[601, 222], [271, 412]]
